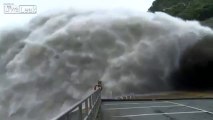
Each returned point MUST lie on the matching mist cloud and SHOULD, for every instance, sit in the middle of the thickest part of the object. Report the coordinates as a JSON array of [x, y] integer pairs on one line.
[[58, 58]]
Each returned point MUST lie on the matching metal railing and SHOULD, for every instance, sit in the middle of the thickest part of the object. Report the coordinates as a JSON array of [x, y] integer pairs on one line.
[[86, 109], [127, 97]]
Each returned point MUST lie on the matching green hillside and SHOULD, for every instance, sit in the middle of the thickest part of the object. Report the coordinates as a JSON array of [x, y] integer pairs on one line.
[[201, 10], [208, 22]]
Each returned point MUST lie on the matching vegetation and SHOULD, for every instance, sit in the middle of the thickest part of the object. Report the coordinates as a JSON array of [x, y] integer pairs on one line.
[[208, 22], [187, 9]]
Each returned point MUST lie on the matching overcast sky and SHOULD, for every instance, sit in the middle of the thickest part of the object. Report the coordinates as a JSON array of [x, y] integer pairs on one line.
[[51, 5]]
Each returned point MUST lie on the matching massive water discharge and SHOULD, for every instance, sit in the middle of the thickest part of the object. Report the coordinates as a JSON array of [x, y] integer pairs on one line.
[[56, 59]]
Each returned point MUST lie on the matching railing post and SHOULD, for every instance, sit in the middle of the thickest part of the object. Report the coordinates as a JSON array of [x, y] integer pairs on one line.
[[92, 99], [86, 106], [80, 111], [90, 102], [68, 116]]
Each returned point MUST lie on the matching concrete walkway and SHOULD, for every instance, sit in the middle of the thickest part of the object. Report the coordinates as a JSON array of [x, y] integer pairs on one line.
[[158, 110]]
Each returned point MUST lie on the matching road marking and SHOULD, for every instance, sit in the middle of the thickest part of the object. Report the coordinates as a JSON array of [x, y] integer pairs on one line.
[[134, 103], [190, 107], [154, 114], [122, 103], [142, 107]]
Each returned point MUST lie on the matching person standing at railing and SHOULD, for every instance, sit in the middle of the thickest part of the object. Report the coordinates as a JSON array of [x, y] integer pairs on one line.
[[98, 86]]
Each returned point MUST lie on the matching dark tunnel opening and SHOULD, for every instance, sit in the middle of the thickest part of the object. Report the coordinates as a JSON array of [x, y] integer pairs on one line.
[[195, 72]]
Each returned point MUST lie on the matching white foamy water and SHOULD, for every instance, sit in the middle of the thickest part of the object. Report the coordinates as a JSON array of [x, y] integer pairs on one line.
[[56, 59]]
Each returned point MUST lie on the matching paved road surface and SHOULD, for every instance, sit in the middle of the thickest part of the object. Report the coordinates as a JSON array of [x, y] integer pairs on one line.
[[158, 110]]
